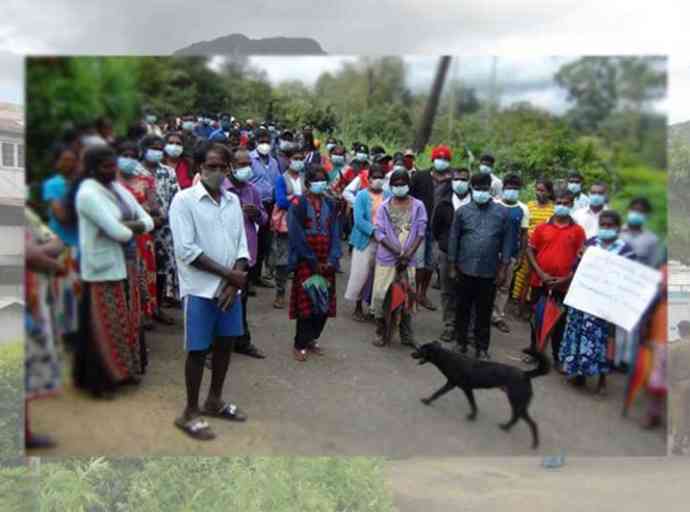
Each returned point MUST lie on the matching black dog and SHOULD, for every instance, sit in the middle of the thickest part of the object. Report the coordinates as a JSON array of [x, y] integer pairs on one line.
[[469, 374]]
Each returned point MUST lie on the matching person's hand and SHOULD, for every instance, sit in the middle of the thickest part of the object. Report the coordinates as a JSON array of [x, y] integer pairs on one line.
[[251, 211], [236, 278], [557, 281], [545, 278], [500, 277], [136, 226]]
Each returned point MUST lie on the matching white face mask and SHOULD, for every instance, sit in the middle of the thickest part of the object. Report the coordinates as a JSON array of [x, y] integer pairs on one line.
[[264, 148], [173, 150], [377, 184], [243, 173]]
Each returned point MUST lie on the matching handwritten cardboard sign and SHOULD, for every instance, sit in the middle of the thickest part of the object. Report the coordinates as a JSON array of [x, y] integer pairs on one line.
[[613, 288]]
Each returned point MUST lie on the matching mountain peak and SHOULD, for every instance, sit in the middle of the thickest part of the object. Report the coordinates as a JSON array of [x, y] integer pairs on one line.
[[239, 44]]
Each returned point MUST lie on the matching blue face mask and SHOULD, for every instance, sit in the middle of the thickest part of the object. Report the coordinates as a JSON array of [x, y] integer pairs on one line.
[[481, 196], [154, 155], [318, 187], [151, 119], [174, 150], [401, 190], [243, 173], [486, 169], [607, 234], [511, 195], [297, 165], [330, 147], [127, 165], [636, 218], [441, 165], [361, 157], [338, 160], [561, 210], [460, 187], [597, 199], [575, 188], [188, 126]]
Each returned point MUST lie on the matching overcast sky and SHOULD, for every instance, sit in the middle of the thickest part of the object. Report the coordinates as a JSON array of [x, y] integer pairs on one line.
[[472, 27], [517, 79]]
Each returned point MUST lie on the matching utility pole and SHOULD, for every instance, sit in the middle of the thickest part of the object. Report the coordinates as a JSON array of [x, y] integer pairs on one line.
[[452, 101], [427, 122], [491, 101]]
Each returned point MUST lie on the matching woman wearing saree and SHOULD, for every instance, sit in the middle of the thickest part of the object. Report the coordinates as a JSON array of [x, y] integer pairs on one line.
[[109, 352], [400, 227]]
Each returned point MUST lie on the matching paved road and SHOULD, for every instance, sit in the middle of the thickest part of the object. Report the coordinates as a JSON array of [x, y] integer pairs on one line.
[[356, 400], [520, 484]]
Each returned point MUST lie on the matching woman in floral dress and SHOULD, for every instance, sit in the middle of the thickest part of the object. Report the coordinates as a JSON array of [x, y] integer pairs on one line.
[[165, 189], [584, 349], [41, 362]]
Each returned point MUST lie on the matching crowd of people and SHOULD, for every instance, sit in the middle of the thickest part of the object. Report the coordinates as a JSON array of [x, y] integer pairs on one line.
[[195, 212]]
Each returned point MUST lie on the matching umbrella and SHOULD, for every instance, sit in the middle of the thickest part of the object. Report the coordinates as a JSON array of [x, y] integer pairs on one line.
[[398, 298], [638, 376], [317, 289], [547, 314]]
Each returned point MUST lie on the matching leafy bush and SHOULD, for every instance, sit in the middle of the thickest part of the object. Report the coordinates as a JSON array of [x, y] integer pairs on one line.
[[11, 399]]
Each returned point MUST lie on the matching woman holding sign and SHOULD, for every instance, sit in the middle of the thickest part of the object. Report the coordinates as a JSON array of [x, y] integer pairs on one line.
[[583, 352]]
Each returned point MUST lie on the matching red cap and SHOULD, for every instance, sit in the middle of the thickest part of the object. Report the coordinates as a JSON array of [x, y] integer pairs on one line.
[[441, 151]]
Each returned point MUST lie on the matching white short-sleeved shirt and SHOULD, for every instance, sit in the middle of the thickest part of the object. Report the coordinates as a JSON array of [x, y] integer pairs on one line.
[[496, 186], [581, 201], [200, 225], [589, 220]]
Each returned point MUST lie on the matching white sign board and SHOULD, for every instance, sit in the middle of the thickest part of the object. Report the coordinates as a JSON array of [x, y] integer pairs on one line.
[[613, 288]]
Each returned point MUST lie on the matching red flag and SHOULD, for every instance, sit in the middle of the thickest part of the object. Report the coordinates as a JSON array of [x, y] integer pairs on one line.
[[552, 313]]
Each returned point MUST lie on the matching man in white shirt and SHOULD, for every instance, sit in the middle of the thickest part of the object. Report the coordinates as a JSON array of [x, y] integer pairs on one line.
[[588, 217], [211, 249], [575, 181], [486, 166]]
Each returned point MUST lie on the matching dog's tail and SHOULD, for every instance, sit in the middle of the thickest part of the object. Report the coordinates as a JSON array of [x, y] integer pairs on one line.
[[543, 364]]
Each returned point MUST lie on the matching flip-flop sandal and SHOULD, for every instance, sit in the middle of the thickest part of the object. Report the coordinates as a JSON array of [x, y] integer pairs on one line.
[[300, 355], [316, 349], [228, 412], [196, 428], [164, 319], [359, 317], [252, 351], [502, 326], [427, 304]]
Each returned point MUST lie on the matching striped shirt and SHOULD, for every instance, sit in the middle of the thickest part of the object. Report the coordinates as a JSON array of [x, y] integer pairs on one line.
[[538, 214]]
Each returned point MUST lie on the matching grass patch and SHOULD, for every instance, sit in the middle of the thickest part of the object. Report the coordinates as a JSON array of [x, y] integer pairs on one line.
[[11, 399], [191, 484]]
